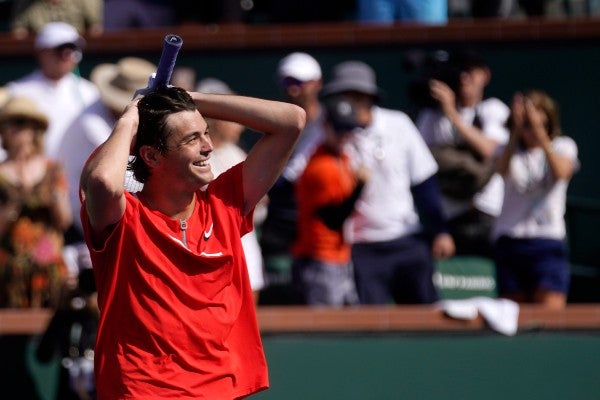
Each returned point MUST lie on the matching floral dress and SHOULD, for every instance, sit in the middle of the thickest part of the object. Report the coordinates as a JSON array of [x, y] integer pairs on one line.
[[32, 269]]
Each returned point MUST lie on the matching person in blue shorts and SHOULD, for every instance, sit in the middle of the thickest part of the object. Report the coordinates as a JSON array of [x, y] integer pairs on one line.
[[530, 234]]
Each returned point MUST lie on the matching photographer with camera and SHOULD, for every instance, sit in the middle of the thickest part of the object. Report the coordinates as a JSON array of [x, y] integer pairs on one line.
[[463, 130]]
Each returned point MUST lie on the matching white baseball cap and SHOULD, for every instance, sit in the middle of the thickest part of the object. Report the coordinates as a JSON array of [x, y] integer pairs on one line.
[[300, 66], [55, 34]]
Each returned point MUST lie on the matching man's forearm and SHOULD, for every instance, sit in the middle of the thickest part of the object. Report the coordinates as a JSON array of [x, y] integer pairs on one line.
[[265, 116]]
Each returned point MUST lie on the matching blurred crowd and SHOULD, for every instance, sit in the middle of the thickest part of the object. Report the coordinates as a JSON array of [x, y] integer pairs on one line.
[[370, 199], [379, 194], [93, 17]]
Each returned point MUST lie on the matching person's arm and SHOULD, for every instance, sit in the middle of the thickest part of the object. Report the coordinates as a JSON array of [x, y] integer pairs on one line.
[[281, 124], [472, 136], [517, 119], [334, 215], [560, 166], [61, 204], [503, 161], [428, 200], [103, 175]]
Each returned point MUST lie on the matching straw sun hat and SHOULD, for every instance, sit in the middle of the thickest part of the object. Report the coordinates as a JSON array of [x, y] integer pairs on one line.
[[22, 108], [118, 82]]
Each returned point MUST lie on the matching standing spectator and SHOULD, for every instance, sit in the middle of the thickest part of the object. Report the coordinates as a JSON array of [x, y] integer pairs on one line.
[[226, 153], [300, 78], [463, 132], [83, 15], [173, 289], [411, 11], [60, 93], [34, 211], [537, 164], [116, 83], [327, 191], [391, 252]]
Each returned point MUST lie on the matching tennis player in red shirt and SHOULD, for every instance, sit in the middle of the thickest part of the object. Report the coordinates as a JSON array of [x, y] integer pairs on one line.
[[177, 313]]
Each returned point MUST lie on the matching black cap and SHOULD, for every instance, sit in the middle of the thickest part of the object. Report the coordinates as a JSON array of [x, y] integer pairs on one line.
[[467, 60], [341, 113]]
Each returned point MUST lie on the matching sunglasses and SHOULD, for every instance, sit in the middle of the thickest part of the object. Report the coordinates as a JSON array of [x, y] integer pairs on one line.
[[69, 49], [289, 81], [19, 122]]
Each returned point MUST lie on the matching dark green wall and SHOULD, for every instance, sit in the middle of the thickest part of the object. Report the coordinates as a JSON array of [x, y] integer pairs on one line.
[[536, 366], [529, 366], [567, 70]]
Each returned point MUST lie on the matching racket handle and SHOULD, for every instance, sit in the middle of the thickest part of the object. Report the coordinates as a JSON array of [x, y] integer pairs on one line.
[[166, 64]]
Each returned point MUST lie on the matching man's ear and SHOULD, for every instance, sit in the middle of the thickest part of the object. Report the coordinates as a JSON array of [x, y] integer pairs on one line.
[[150, 155]]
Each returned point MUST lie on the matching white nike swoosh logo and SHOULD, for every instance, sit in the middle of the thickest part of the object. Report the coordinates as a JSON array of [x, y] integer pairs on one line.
[[208, 232], [218, 254]]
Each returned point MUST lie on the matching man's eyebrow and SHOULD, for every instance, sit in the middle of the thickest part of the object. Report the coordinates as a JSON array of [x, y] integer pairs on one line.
[[189, 136]]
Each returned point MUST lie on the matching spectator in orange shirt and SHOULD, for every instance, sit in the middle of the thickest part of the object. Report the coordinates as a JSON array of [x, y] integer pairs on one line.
[[326, 193]]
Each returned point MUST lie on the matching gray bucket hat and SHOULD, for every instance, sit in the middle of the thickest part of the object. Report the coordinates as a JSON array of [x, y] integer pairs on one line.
[[352, 76]]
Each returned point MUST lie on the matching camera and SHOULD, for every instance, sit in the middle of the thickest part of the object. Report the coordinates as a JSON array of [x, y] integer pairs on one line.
[[442, 65], [439, 65]]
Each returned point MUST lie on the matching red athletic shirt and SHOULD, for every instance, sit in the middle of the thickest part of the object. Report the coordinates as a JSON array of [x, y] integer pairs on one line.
[[178, 322], [327, 179]]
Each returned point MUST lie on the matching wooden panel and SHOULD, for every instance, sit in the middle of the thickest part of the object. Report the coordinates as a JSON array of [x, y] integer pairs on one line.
[[344, 34], [286, 319]]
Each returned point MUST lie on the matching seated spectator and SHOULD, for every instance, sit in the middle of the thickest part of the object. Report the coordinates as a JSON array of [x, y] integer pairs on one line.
[[298, 11], [326, 193], [532, 263], [213, 11], [411, 11], [492, 8], [34, 212], [127, 14], [85, 15]]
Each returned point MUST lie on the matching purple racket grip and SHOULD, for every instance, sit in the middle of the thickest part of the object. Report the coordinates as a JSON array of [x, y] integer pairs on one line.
[[171, 47]]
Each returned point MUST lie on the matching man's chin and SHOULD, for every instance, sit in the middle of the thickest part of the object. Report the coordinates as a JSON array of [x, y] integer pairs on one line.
[[205, 177]]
